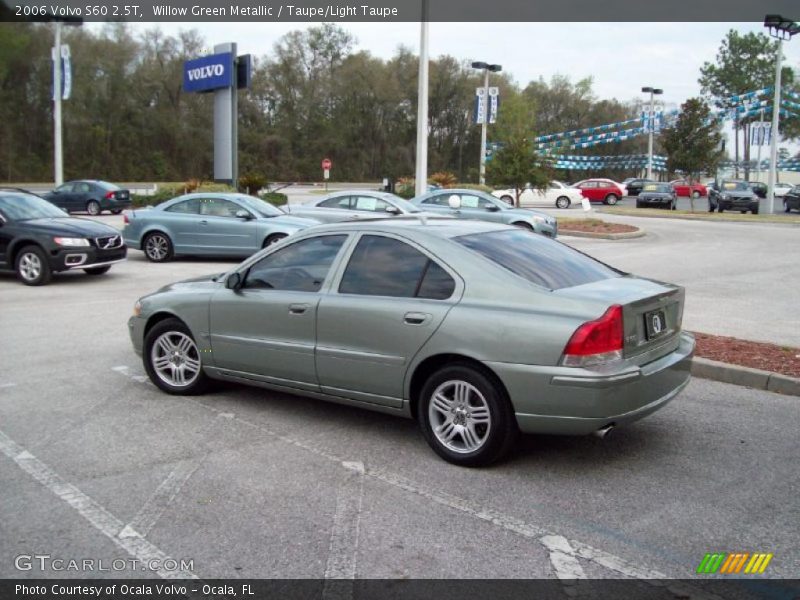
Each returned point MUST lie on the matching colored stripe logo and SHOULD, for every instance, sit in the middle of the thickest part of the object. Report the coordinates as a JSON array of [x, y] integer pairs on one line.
[[732, 563]]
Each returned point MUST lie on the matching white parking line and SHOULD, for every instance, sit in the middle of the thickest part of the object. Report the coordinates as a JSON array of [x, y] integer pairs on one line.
[[155, 506], [562, 558], [343, 550], [7, 385], [573, 549], [94, 513]]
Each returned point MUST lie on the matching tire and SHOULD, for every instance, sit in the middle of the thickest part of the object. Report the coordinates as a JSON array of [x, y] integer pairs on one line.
[[563, 202], [695, 194], [158, 247], [674, 206], [754, 211], [116, 211], [719, 209], [471, 397], [638, 204], [744, 212], [172, 359], [32, 267], [273, 239], [507, 199], [786, 206], [523, 225], [611, 199], [97, 270], [93, 208]]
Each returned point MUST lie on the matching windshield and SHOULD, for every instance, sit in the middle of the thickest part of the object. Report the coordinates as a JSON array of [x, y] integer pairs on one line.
[[259, 206], [539, 260], [22, 207], [402, 204], [662, 188], [737, 186]]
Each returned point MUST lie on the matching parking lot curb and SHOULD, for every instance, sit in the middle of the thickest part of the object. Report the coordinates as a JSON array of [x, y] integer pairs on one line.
[[745, 376], [698, 217], [604, 236]]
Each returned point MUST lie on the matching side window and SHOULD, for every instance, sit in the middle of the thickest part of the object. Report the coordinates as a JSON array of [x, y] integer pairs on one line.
[[217, 207], [341, 202], [440, 200], [382, 266], [369, 203], [65, 189], [82, 188], [189, 207], [301, 267]]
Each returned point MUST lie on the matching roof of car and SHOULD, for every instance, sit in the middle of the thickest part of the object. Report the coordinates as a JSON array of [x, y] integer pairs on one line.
[[436, 226]]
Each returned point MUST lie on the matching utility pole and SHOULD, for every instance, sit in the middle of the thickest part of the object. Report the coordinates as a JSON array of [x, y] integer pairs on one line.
[[58, 159], [421, 185]]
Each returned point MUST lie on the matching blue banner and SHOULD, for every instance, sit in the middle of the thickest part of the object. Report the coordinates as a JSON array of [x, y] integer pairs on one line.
[[209, 73]]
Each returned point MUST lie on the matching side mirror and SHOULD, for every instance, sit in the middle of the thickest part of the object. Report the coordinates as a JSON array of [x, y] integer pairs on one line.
[[392, 210], [492, 208], [234, 281], [243, 214], [454, 201]]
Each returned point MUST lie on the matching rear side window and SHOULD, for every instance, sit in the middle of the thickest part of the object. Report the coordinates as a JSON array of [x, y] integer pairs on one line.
[[190, 207], [540, 260], [382, 266]]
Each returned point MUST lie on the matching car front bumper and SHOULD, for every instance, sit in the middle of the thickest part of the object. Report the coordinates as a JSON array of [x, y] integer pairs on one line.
[[570, 401], [136, 331], [84, 257]]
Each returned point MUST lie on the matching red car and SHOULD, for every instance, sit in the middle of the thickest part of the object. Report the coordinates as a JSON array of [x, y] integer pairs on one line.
[[682, 188], [606, 191]]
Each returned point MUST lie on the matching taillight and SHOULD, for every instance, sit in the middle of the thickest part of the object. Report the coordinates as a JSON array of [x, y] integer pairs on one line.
[[597, 341], [109, 195], [125, 219]]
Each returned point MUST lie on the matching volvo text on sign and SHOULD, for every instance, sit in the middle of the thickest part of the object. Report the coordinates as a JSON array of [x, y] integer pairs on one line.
[[208, 73]]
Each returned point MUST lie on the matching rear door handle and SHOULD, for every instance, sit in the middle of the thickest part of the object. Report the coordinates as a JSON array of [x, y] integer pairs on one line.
[[298, 309], [203, 222], [415, 318]]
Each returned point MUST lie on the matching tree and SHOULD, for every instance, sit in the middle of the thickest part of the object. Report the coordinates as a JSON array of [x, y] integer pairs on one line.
[[693, 143], [744, 63], [516, 162]]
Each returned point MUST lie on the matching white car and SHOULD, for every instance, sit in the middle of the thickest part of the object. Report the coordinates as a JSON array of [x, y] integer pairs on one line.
[[557, 194], [781, 189]]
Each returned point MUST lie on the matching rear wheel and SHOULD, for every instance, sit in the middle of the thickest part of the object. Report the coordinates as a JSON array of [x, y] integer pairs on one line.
[[32, 267], [611, 199], [563, 202], [116, 211], [172, 359], [97, 270], [695, 194], [93, 207], [466, 417], [158, 247], [273, 239]]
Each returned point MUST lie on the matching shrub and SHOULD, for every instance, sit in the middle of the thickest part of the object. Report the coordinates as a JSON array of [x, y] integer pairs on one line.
[[275, 198], [251, 183], [443, 179], [405, 187], [168, 191]]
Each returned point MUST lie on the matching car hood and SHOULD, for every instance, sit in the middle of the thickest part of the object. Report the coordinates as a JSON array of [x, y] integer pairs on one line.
[[203, 282], [70, 226], [292, 221]]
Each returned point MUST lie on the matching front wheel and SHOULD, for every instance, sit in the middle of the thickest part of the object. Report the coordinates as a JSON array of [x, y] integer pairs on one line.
[[507, 200], [466, 417], [32, 267], [93, 207], [273, 239], [172, 359], [563, 202], [158, 247], [611, 199], [695, 194], [97, 270]]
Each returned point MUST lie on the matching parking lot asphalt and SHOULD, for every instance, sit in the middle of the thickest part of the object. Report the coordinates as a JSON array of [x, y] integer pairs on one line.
[[96, 463]]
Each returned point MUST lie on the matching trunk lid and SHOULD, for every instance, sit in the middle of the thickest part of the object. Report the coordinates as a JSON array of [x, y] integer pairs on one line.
[[652, 311]]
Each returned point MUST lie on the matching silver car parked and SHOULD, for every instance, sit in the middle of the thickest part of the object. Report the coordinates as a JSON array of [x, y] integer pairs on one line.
[[351, 205], [208, 224], [477, 330], [473, 204]]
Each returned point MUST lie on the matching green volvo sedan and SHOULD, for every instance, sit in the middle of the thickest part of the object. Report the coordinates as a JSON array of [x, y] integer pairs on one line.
[[477, 330]]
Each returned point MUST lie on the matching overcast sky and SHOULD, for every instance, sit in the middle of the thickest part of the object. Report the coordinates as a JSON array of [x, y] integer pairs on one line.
[[621, 57]]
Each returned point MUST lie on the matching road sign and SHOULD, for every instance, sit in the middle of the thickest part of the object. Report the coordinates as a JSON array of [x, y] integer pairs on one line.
[[326, 173], [326, 164]]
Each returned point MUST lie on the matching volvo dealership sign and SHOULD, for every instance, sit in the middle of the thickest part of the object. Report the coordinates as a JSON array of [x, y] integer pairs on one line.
[[209, 73]]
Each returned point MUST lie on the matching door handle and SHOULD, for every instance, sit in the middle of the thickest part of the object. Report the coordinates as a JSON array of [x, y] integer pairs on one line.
[[297, 309], [415, 318], [203, 222]]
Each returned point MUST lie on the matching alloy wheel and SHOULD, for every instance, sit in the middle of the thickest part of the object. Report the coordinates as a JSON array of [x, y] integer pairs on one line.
[[459, 416], [30, 266], [175, 359], [157, 247]]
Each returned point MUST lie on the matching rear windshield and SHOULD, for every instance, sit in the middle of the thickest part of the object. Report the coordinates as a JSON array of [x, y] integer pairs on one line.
[[538, 259], [109, 187]]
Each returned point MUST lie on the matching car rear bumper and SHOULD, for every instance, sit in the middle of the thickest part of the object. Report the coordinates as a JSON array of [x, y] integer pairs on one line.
[[570, 401], [114, 204]]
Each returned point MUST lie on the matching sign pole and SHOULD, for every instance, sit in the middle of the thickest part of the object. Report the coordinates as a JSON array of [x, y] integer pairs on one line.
[[773, 147], [421, 184], [482, 172], [58, 159]]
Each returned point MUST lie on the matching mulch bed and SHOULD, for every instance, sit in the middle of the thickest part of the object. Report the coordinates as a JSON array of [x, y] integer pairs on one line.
[[757, 355], [594, 226]]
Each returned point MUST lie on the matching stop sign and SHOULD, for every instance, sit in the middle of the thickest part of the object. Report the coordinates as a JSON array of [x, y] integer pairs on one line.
[[326, 164]]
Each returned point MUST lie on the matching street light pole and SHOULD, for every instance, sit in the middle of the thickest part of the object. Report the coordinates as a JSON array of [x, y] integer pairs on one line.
[[421, 183], [486, 67], [58, 160], [783, 29], [653, 91]]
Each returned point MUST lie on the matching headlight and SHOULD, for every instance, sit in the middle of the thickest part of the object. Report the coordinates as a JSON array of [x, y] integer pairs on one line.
[[537, 219], [724, 197], [137, 309], [72, 242]]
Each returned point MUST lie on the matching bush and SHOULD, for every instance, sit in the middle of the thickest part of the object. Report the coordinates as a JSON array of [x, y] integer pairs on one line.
[[405, 187], [443, 179], [275, 198], [251, 183], [169, 191]]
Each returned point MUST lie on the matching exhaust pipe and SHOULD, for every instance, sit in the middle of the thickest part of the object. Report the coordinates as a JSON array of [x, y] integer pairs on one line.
[[603, 431]]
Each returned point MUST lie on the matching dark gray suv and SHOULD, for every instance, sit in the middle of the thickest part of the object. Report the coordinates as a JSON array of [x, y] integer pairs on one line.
[[732, 195]]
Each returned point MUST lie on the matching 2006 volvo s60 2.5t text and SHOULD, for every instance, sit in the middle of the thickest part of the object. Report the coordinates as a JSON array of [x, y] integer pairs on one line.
[[478, 330]]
